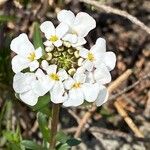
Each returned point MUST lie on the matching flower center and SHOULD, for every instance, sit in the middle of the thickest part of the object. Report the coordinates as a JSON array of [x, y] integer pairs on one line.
[[90, 57], [76, 85], [54, 76], [31, 56], [53, 38]]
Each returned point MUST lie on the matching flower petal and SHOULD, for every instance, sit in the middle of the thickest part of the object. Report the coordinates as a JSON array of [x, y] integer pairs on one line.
[[100, 46], [51, 69], [102, 75], [22, 82], [62, 74], [21, 45], [83, 24], [48, 43], [69, 83], [38, 53], [90, 91], [72, 38], [103, 96], [44, 64], [79, 77], [48, 29], [110, 60], [58, 43], [83, 52], [66, 16], [34, 65], [80, 41], [44, 84], [29, 98], [61, 30], [76, 98], [88, 65], [57, 93], [19, 63]]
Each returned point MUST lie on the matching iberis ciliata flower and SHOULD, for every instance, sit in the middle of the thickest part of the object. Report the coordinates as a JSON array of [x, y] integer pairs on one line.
[[64, 69]]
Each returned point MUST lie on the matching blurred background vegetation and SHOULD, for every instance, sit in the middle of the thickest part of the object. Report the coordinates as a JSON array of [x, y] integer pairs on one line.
[[106, 128]]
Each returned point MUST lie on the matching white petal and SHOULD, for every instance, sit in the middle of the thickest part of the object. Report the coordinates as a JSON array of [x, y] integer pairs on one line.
[[79, 77], [103, 96], [88, 65], [110, 60], [51, 69], [62, 74], [29, 98], [83, 24], [48, 43], [49, 49], [44, 83], [48, 29], [57, 93], [83, 52], [90, 91], [19, 63], [34, 65], [89, 77], [58, 43], [38, 53], [22, 82], [68, 83], [72, 38], [76, 98], [100, 46], [102, 75], [66, 16], [42, 86], [80, 70], [21, 45], [61, 30], [44, 64], [80, 41]]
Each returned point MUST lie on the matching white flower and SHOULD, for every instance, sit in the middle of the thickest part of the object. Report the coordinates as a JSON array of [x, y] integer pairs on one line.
[[97, 55], [55, 83], [26, 56], [80, 25], [53, 35], [23, 84], [79, 90]]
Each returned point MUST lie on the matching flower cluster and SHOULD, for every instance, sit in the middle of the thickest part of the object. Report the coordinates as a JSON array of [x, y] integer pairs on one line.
[[70, 73]]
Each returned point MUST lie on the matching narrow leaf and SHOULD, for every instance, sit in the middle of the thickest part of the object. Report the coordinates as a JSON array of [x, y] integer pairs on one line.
[[31, 145], [73, 142], [43, 125], [42, 102], [37, 39], [4, 18]]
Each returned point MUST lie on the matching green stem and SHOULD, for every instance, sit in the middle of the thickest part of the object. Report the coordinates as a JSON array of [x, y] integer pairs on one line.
[[54, 123]]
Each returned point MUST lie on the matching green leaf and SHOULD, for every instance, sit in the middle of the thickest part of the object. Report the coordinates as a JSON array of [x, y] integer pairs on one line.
[[4, 18], [37, 39], [42, 102], [12, 136], [31, 145], [64, 147], [73, 142], [43, 125], [62, 137]]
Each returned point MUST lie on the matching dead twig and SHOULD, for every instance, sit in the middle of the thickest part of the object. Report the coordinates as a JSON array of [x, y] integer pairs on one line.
[[116, 11], [129, 87], [112, 87], [116, 133], [127, 119]]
